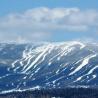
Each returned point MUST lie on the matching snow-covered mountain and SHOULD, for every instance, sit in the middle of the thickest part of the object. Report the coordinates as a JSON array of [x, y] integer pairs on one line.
[[48, 65]]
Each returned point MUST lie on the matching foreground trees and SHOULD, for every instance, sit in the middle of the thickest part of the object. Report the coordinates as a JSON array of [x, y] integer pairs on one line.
[[57, 93]]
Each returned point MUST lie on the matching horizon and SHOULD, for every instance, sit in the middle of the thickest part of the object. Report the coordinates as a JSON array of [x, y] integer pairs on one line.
[[85, 41]]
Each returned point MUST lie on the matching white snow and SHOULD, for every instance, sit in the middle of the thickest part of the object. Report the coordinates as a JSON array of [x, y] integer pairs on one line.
[[49, 63], [94, 76], [92, 70], [37, 59], [37, 70], [85, 62], [57, 71], [78, 79]]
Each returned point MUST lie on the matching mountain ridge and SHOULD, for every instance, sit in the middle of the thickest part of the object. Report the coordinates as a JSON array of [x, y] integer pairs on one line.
[[48, 65]]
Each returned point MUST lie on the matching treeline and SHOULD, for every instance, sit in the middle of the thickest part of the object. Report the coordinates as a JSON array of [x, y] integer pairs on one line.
[[57, 93]]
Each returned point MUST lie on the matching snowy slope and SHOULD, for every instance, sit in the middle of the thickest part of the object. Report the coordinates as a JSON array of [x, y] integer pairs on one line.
[[48, 65]]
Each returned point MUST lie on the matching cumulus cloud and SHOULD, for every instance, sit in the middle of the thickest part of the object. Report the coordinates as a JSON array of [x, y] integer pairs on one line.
[[38, 23]]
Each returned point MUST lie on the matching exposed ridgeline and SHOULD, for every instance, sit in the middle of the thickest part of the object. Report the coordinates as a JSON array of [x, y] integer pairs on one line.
[[48, 65]]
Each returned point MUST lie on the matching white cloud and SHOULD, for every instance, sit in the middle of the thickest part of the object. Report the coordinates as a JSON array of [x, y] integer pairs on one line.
[[37, 23]]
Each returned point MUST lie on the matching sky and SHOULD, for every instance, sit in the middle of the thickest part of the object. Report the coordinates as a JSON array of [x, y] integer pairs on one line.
[[48, 20]]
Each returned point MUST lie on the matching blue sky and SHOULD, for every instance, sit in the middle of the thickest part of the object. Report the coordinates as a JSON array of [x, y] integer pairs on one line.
[[42, 20], [9, 6]]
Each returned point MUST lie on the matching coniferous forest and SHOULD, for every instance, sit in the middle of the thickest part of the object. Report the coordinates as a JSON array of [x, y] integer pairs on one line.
[[55, 93]]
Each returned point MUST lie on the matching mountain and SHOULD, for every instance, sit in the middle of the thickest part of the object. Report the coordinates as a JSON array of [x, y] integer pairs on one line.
[[48, 65]]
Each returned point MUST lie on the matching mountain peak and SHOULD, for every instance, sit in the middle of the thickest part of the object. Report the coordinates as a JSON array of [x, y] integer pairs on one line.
[[48, 65]]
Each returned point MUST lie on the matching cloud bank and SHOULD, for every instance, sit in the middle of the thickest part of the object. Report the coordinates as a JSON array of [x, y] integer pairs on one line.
[[38, 24]]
